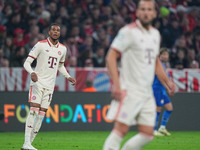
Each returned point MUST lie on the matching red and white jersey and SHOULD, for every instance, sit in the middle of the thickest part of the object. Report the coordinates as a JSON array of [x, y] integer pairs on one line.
[[139, 48], [48, 58]]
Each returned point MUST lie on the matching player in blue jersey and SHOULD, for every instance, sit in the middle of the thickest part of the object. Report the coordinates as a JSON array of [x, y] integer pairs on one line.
[[162, 99]]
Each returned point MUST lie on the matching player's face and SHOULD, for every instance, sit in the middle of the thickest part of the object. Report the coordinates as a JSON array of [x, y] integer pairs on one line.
[[164, 57], [54, 33], [146, 12]]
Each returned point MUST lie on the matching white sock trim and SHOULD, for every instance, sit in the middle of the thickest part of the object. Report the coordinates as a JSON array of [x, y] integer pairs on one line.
[[112, 142], [36, 109], [118, 133], [162, 127], [147, 135], [137, 142], [42, 113]]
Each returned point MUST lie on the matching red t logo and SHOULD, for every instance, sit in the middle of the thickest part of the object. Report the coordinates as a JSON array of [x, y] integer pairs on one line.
[[52, 61]]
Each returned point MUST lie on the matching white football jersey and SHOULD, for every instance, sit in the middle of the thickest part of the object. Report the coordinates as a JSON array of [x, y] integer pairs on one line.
[[48, 58], [139, 48]]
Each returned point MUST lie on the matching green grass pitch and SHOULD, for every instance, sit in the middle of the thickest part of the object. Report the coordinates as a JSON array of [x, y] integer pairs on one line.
[[83, 140]]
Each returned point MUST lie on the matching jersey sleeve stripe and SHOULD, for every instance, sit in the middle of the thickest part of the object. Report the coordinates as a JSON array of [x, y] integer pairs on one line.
[[31, 56], [115, 49], [29, 100]]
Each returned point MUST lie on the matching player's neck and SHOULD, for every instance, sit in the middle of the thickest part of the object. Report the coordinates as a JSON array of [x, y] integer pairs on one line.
[[53, 41], [146, 26]]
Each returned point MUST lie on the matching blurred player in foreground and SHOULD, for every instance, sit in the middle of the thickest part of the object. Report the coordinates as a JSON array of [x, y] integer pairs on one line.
[[134, 104], [50, 55], [162, 98]]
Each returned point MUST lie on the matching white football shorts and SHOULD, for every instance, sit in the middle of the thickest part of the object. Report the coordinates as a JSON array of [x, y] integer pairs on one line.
[[133, 109], [40, 96]]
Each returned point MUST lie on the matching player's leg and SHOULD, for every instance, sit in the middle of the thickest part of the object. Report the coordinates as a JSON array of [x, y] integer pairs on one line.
[[158, 112], [166, 115], [146, 122], [35, 100], [46, 100], [38, 123], [137, 142], [126, 111], [113, 141], [159, 103], [34, 110]]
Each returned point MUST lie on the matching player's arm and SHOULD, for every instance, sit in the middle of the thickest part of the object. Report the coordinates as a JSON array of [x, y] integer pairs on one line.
[[27, 66], [35, 51], [63, 70], [119, 45], [163, 78], [111, 61]]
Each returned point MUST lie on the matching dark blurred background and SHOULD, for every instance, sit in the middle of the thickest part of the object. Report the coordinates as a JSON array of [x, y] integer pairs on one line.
[[89, 26]]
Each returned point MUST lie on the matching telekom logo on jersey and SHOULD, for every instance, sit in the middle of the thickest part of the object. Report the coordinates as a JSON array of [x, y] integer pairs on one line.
[[52, 61], [149, 56]]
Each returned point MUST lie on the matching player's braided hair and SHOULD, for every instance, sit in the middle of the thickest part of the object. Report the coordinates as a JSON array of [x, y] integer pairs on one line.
[[164, 49], [53, 24]]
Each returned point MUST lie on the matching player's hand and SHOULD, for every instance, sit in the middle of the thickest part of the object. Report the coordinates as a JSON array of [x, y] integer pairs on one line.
[[34, 77], [117, 93], [72, 80], [171, 88]]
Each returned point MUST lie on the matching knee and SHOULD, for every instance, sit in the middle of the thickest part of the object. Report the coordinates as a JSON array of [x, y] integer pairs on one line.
[[35, 105], [171, 110], [43, 109], [34, 111], [158, 109], [121, 128], [147, 133], [169, 107], [147, 130]]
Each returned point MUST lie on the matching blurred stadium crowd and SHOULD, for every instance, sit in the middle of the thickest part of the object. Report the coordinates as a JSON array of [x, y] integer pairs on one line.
[[89, 26]]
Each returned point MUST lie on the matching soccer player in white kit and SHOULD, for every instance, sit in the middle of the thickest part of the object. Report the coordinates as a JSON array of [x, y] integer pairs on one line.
[[50, 55], [138, 44]]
